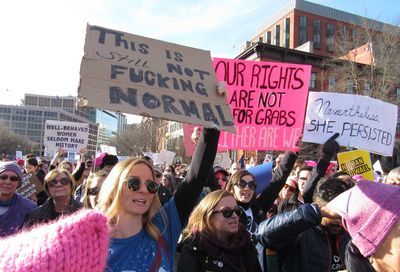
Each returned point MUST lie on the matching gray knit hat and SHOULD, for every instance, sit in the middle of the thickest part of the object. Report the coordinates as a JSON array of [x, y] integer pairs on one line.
[[11, 166]]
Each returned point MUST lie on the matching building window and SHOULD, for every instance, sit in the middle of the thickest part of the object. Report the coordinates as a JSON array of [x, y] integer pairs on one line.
[[367, 88], [354, 34], [330, 32], [313, 80], [303, 30], [277, 35], [287, 33], [317, 34], [349, 87], [44, 102], [398, 93], [332, 83], [343, 32], [56, 102], [68, 103], [260, 39], [268, 38]]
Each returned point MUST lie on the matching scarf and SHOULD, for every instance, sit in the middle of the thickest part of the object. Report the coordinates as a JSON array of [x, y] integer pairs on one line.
[[231, 254]]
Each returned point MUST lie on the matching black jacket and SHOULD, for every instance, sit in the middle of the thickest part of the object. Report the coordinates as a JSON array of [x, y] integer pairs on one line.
[[302, 245], [197, 256], [46, 212]]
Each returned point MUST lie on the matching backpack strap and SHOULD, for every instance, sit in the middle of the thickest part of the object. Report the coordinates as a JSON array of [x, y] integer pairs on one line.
[[155, 265]]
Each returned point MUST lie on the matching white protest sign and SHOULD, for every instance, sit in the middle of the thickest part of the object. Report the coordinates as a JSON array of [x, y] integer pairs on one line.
[[18, 154], [164, 156], [138, 75], [361, 121], [223, 160], [112, 150], [71, 136]]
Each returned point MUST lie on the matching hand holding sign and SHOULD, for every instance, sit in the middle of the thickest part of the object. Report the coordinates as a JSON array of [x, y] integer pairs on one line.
[[221, 88], [196, 135]]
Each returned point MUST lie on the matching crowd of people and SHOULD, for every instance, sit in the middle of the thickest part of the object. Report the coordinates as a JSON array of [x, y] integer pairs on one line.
[[133, 215]]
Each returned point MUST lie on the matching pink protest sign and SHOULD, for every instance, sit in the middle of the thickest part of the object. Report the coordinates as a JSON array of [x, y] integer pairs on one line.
[[268, 102], [187, 139]]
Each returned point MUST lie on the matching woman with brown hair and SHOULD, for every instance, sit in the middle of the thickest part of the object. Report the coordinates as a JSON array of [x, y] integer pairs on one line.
[[214, 240]]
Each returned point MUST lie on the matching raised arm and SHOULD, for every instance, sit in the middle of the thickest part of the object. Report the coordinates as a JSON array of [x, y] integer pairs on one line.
[[329, 150], [281, 230], [270, 193], [203, 158]]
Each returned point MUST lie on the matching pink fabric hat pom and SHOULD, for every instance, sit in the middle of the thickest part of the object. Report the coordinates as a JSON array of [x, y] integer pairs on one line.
[[369, 210], [77, 242]]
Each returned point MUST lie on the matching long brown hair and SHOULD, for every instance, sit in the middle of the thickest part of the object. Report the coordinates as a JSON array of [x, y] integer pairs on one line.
[[235, 178], [200, 218]]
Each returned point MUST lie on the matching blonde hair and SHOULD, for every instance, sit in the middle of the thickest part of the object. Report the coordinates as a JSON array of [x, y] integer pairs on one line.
[[55, 173], [89, 180], [200, 218], [109, 200]]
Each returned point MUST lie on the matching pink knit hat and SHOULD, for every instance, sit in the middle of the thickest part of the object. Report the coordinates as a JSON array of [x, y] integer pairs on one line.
[[369, 210], [77, 242]]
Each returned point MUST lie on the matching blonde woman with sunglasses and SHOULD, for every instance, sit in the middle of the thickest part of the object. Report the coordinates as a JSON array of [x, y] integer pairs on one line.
[[143, 233], [214, 240]]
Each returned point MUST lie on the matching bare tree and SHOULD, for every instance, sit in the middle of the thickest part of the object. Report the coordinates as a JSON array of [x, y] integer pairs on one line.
[[137, 138], [365, 62], [10, 142]]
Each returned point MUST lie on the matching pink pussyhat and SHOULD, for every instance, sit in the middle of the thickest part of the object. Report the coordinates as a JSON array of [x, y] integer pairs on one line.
[[78, 242], [369, 210]]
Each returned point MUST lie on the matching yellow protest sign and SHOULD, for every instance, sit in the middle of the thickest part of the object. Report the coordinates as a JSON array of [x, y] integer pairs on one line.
[[356, 162]]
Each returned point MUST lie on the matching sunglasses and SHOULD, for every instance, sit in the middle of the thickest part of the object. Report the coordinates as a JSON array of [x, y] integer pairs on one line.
[[227, 212], [12, 178], [242, 184], [135, 183], [290, 188], [62, 181], [158, 175], [93, 191]]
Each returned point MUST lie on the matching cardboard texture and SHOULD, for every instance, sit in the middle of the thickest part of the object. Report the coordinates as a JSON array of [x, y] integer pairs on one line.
[[361, 121], [71, 136], [31, 185], [268, 102], [138, 75], [356, 162]]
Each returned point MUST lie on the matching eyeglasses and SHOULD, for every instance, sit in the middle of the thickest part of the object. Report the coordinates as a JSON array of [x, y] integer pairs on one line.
[[158, 175], [228, 212], [62, 181], [12, 178], [135, 183], [93, 191], [290, 188], [223, 178], [242, 184]]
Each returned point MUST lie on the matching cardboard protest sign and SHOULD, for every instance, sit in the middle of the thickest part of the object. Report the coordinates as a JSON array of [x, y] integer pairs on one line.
[[356, 162], [268, 102], [71, 136], [31, 185], [138, 75], [361, 121]]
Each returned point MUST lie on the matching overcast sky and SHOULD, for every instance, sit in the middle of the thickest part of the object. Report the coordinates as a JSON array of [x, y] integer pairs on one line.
[[42, 40]]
